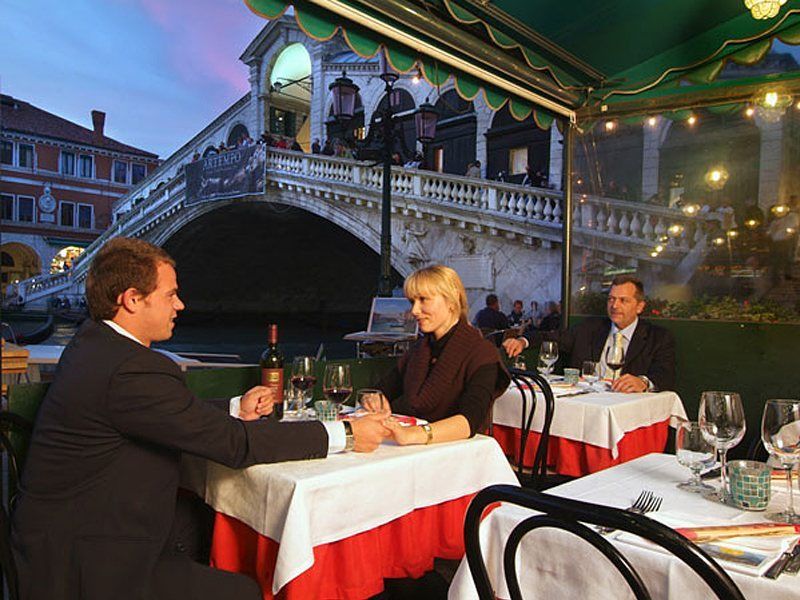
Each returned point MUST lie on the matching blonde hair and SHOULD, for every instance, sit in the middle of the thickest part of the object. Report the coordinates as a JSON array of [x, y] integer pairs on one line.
[[438, 279]]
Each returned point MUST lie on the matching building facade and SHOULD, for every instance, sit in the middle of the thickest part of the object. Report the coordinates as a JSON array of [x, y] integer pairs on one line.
[[58, 181]]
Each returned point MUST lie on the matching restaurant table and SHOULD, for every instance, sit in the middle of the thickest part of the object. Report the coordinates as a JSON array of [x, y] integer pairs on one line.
[[570, 568], [336, 527], [590, 431]]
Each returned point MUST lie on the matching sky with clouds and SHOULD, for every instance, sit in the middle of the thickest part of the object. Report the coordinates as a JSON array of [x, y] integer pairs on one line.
[[161, 70]]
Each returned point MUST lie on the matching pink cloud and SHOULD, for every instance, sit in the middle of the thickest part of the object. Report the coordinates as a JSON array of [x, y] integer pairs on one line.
[[205, 38]]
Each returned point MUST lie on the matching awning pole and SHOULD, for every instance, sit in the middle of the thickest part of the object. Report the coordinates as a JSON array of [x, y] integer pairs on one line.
[[566, 225]]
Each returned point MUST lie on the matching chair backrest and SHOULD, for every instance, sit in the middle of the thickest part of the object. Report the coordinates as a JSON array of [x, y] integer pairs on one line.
[[570, 515], [525, 381], [11, 424]]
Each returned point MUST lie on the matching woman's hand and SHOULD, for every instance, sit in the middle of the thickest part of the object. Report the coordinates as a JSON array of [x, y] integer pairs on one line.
[[376, 403], [403, 435]]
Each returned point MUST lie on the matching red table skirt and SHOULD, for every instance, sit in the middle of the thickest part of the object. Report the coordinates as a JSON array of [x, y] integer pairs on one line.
[[569, 457], [352, 568]]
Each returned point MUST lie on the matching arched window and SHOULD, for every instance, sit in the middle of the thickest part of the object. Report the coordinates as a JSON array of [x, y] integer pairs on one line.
[[209, 151], [236, 135], [453, 148], [511, 144], [404, 108]]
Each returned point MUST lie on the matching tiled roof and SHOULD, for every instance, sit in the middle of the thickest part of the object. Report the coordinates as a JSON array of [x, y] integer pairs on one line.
[[20, 116]]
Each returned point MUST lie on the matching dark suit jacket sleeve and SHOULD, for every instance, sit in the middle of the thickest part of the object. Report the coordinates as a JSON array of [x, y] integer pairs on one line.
[[662, 365], [565, 339], [149, 401]]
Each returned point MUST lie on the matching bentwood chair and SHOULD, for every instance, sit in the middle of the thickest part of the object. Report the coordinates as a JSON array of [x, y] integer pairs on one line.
[[525, 382], [572, 516], [10, 424]]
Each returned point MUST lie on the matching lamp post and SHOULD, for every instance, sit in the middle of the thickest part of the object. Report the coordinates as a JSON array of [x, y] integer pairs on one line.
[[343, 92]]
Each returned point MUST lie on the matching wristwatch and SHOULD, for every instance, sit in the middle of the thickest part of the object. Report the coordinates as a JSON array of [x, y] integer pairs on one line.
[[349, 440]]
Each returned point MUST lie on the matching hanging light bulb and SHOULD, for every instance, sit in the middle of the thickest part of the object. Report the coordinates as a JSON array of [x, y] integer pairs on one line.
[[691, 120], [652, 121], [610, 125], [750, 111], [764, 9]]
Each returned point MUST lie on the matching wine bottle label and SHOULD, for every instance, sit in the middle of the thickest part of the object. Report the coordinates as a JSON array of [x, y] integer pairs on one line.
[[273, 379]]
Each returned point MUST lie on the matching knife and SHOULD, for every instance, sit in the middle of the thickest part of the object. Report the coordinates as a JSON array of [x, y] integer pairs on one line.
[[783, 561], [570, 395], [794, 565]]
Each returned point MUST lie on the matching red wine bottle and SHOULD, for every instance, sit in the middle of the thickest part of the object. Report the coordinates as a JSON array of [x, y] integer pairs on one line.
[[272, 371]]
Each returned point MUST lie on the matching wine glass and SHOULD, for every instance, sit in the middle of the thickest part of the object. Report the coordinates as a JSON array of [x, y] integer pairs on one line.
[[336, 384], [304, 375], [615, 358], [589, 371], [780, 433], [721, 417], [548, 355], [694, 451]]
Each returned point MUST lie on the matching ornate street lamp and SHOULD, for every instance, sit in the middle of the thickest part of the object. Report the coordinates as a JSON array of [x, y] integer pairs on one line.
[[343, 92]]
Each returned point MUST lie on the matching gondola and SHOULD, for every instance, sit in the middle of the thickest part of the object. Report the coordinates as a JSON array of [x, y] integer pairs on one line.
[[34, 336]]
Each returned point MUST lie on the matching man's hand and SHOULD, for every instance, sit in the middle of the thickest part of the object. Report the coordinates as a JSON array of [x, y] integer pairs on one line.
[[369, 432], [513, 346], [629, 384], [376, 403], [256, 403]]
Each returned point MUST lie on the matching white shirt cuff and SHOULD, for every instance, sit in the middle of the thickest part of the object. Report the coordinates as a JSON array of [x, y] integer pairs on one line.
[[337, 440], [336, 436], [233, 406], [525, 342], [650, 386]]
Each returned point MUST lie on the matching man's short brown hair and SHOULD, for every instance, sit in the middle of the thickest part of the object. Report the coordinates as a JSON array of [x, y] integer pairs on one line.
[[623, 279], [120, 264]]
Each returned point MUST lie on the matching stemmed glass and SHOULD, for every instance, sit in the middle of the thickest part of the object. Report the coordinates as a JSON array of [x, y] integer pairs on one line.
[[721, 417], [304, 375], [615, 358], [780, 433], [548, 355], [336, 384], [694, 451]]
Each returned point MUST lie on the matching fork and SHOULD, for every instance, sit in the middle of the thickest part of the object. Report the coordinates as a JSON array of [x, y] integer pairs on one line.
[[646, 502]]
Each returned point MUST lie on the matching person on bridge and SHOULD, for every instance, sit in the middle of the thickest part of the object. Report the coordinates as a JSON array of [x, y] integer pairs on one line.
[[98, 495], [450, 376], [649, 349]]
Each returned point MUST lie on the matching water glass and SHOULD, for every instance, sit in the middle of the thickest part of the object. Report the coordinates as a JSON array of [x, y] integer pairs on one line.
[[695, 452], [365, 394], [572, 376], [721, 417], [589, 371], [780, 433]]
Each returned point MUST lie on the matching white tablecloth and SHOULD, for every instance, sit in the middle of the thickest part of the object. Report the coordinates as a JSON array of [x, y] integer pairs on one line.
[[307, 503], [599, 418], [570, 568]]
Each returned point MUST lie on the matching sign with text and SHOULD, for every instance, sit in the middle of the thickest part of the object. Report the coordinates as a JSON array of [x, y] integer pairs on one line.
[[230, 174]]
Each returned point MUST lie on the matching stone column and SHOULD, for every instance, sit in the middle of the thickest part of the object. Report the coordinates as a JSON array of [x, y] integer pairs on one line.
[[556, 168], [319, 95], [483, 120], [770, 160], [254, 120], [651, 142]]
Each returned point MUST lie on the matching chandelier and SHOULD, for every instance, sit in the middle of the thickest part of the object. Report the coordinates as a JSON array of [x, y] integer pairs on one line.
[[764, 9]]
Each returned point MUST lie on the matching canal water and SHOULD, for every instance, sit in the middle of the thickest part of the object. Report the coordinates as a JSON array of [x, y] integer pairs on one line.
[[246, 335]]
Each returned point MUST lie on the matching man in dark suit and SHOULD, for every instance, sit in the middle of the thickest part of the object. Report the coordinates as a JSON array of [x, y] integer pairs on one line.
[[649, 349], [98, 494]]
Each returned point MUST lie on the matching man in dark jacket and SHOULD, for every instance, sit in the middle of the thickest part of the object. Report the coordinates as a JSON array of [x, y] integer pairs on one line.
[[649, 349], [98, 494]]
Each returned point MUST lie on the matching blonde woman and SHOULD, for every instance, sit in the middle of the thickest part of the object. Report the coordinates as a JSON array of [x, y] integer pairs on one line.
[[451, 375]]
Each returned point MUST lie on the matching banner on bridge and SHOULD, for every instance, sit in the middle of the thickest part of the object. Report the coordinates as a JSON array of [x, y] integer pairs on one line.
[[230, 174]]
